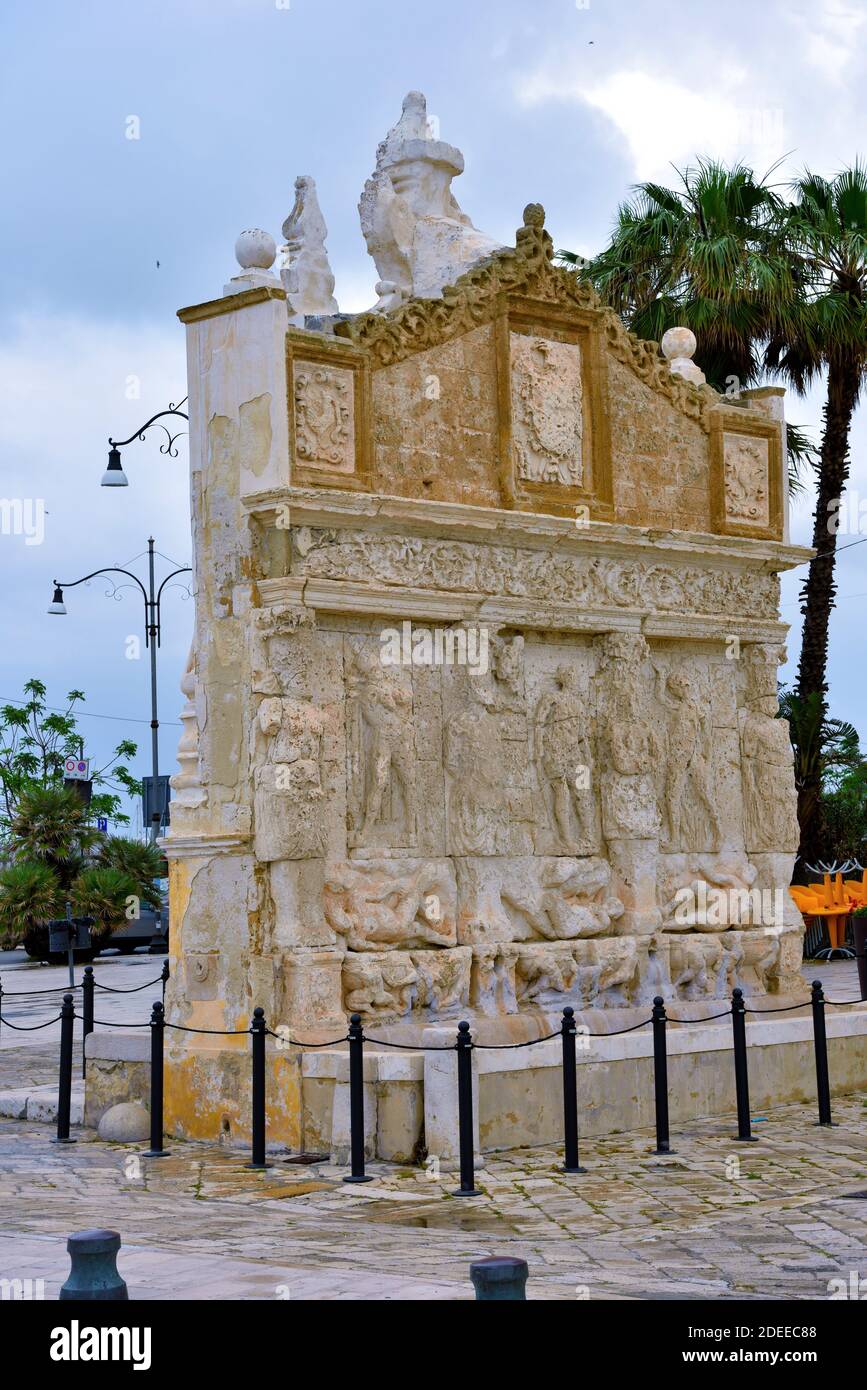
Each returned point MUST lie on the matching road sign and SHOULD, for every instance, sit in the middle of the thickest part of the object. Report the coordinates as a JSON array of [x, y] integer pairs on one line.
[[102, 822], [77, 769]]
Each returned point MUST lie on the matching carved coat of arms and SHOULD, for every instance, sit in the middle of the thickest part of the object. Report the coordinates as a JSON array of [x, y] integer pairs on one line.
[[547, 410]]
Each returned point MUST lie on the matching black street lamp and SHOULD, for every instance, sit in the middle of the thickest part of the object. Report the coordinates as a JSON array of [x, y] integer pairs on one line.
[[114, 475], [152, 597]]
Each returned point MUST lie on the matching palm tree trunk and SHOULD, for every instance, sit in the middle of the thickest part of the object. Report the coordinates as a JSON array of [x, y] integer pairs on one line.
[[819, 589]]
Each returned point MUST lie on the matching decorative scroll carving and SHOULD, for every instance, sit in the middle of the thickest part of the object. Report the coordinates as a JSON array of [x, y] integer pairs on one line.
[[547, 410], [493, 569], [324, 419], [746, 478]]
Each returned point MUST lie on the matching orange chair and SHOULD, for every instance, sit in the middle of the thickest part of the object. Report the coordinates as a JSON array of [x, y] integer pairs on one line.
[[832, 902]]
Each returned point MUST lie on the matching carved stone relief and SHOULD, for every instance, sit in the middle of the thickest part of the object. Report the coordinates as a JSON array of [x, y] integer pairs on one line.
[[383, 904], [324, 416], [581, 786], [288, 790], [521, 573], [564, 763], [746, 478], [381, 753], [770, 801], [688, 796], [547, 410]]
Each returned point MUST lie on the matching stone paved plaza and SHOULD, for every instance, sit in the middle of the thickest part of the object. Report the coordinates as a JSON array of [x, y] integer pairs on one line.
[[718, 1220]]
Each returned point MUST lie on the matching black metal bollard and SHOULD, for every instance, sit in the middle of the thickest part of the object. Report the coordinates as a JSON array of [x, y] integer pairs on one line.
[[64, 1089], [820, 1042], [570, 1102], [660, 1075], [742, 1085], [257, 1120], [165, 978], [158, 1032], [87, 985], [465, 1111], [356, 1102], [499, 1276], [94, 1275]]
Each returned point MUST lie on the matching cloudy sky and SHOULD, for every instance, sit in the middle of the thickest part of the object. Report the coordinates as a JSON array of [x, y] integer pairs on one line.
[[104, 237]]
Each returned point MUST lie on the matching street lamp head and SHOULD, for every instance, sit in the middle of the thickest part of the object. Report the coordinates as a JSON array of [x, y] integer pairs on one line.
[[57, 605], [114, 475]]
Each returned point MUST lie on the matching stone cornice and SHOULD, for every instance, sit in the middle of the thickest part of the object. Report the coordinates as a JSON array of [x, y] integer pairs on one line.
[[533, 530], [228, 303]]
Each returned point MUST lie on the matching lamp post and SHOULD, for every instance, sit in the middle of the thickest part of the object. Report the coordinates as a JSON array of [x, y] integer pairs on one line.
[[152, 597], [114, 475]]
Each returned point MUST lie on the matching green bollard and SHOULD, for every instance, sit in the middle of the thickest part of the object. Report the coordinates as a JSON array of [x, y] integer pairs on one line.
[[499, 1276], [94, 1274]]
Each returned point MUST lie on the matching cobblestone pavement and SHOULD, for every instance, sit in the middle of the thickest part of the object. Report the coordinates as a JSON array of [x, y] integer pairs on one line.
[[719, 1220]]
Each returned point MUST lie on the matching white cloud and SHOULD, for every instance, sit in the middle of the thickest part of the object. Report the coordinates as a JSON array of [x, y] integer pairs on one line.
[[665, 123], [828, 35]]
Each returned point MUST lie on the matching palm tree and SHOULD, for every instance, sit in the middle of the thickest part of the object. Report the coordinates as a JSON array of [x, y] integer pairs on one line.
[[137, 860], [766, 285], [56, 855], [104, 894], [51, 826], [29, 895], [825, 229], [825, 751], [705, 256]]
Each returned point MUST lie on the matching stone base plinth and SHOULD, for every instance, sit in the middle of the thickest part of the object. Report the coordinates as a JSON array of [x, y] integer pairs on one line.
[[411, 1097]]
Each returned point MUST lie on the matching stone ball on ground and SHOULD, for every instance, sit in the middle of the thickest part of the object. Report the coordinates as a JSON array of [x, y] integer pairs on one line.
[[127, 1123]]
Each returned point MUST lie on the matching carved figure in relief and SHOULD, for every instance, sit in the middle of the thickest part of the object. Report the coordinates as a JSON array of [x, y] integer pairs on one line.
[[471, 756], [323, 416], [379, 904], [381, 753], [562, 750], [687, 777], [508, 664], [443, 979], [539, 971], [378, 988], [770, 818], [568, 901], [547, 411], [683, 890], [288, 781], [629, 744]]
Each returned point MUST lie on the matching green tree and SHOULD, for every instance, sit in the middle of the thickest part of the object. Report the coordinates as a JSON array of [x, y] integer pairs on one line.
[[56, 856], [34, 745], [828, 758]]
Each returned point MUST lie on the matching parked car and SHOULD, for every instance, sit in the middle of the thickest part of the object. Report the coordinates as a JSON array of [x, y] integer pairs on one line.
[[137, 932]]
